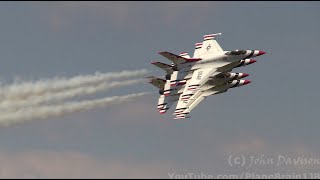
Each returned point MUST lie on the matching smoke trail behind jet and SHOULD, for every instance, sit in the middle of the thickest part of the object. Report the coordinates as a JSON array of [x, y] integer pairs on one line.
[[42, 112], [23, 90], [14, 105]]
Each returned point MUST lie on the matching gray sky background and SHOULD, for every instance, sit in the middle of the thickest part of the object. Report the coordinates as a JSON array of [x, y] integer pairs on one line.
[[277, 114]]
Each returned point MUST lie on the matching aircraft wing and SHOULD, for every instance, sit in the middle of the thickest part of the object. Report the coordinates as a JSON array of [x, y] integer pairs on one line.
[[193, 87], [165, 102], [195, 103], [182, 102], [183, 113], [200, 97], [200, 77]]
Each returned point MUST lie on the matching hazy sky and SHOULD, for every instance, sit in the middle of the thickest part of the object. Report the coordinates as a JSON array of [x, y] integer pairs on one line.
[[277, 114]]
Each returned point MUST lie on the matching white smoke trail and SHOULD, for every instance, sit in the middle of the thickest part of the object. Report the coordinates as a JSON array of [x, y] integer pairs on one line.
[[42, 112], [9, 105], [22, 90]]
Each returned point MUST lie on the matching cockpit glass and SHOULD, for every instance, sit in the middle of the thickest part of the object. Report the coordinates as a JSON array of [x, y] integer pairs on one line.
[[237, 52]]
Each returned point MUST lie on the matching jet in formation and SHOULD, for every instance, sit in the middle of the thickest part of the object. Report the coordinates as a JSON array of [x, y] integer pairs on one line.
[[189, 80]]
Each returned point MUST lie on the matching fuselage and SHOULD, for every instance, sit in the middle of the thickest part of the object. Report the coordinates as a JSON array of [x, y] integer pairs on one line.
[[218, 59]]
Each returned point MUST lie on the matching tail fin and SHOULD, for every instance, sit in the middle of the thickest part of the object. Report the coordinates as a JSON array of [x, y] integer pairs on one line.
[[166, 67], [210, 45], [197, 50], [184, 55]]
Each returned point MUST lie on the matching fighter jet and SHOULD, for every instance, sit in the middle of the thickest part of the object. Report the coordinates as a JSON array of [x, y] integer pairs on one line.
[[206, 74], [169, 95]]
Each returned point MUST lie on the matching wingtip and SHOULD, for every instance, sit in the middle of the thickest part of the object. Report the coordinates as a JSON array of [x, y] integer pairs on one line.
[[179, 117], [182, 116], [162, 111], [211, 35]]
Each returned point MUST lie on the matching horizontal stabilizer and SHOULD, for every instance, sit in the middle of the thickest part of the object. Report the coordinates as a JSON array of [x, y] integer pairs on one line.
[[157, 82], [178, 59], [166, 67]]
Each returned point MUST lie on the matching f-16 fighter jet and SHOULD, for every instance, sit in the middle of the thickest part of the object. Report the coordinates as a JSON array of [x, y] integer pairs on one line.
[[169, 95], [207, 73], [166, 99]]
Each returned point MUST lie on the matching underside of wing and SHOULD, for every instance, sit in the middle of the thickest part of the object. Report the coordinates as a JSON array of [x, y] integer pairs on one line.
[[182, 102], [197, 100], [193, 86], [194, 104], [188, 107], [165, 102], [199, 77]]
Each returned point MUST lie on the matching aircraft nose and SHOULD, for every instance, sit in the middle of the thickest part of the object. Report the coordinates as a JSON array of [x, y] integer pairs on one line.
[[244, 75], [252, 61], [261, 53], [246, 82]]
